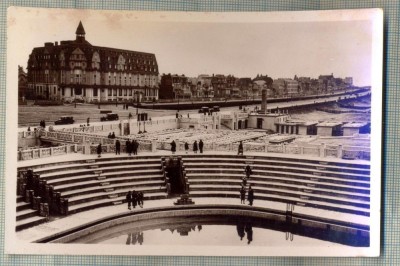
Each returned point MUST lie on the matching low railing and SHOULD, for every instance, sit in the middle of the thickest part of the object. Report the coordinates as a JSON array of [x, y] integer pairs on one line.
[[316, 150], [38, 153]]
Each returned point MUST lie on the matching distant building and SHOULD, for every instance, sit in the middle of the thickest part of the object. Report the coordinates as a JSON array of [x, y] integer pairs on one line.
[[78, 70], [205, 84], [286, 87], [219, 85]]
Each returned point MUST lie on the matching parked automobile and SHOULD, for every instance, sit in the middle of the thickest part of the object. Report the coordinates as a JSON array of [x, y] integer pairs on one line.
[[110, 117], [64, 120], [216, 108], [204, 110]]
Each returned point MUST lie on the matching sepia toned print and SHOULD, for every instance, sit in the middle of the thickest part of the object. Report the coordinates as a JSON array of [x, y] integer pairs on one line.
[[167, 133]]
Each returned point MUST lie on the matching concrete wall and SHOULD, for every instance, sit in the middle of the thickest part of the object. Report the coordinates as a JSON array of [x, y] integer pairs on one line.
[[153, 126], [350, 131], [324, 131]]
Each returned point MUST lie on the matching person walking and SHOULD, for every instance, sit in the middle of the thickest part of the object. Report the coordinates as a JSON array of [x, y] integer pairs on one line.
[[129, 199], [173, 147], [195, 146], [133, 147], [136, 146], [117, 147], [250, 196], [99, 150], [201, 145], [128, 147], [88, 121], [186, 147], [140, 199], [248, 171], [240, 148], [134, 199], [242, 195]]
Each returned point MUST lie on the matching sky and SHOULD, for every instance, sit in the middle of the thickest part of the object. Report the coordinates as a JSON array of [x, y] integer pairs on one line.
[[277, 49]]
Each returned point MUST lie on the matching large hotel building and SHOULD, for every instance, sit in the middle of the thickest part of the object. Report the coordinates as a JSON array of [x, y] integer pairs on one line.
[[77, 70]]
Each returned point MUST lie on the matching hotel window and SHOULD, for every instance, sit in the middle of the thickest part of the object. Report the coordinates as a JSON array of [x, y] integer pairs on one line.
[[109, 92], [120, 92], [125, 92], [95, 92]]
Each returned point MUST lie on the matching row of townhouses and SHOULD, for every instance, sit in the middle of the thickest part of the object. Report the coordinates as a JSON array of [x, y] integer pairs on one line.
[[228, 86]]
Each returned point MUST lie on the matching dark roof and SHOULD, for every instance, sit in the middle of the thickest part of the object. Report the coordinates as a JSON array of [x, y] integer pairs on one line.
[[80, 30]]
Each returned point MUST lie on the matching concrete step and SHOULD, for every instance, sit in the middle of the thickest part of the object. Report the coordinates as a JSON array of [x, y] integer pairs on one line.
[[29, 222], [110, 187], [72, 172], [285, 186], [112, 180], [26, 213], [284, 199], [284, 193], [23, 206], [121, 192], [291, 175], [268, 161], [259, 168], [67, 181], [269, 157], [302, 182], [114, 201]]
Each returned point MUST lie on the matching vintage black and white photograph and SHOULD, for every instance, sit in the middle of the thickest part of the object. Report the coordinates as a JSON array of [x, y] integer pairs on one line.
[[178, 133]]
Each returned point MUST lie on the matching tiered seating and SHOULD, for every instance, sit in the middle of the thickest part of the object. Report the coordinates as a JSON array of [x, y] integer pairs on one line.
[[101, 182], [343, 187]]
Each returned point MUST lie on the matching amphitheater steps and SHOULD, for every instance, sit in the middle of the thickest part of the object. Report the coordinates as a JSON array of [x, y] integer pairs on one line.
[[287, 187], [23, 206], [29, 222], [294, 176], [278, 198], [104, 170], [95, 180], [351, 189], [26, 213], [109, 202], [285, 193], [313, 161], [73, 200], [269, 168], [130, 183]]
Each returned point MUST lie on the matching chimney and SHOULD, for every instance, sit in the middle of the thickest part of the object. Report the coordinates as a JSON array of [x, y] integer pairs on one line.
[[264, 101]]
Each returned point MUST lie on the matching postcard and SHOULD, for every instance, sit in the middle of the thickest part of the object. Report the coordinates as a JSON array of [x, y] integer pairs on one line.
[[190, 133]]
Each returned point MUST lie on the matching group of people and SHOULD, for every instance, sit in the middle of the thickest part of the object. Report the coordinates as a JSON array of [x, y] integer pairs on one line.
[[134, 198], [250, 195], [196, 146], [111, 135], [132, 147]]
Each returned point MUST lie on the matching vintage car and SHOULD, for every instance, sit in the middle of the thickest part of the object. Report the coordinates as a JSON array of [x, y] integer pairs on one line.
[[64, 120], [110, 117], [204, 110]]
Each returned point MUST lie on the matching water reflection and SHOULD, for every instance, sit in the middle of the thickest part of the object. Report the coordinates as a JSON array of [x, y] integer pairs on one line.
[[245, 229], [232, 230], [135, 238]]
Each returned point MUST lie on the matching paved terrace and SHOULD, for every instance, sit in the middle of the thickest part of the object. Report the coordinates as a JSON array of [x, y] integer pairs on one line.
[[73, 220]]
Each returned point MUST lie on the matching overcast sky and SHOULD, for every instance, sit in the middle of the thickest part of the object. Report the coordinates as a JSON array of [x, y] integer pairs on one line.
[[278, 49]]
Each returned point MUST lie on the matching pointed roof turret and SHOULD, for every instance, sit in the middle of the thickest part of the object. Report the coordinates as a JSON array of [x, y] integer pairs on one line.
[[80, 30]]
